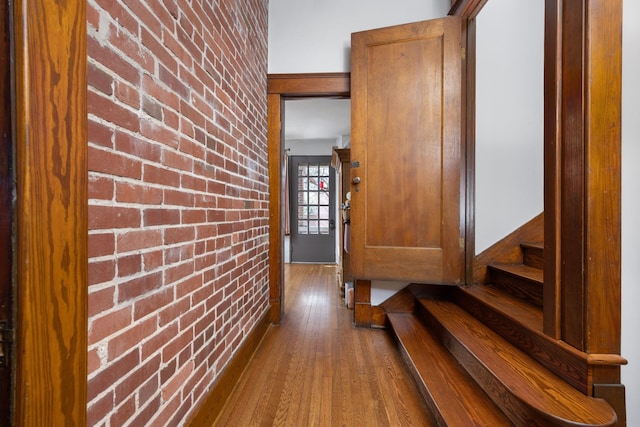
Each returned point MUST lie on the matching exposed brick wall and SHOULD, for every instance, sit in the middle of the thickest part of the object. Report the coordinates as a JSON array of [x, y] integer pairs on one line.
[[178, 200]]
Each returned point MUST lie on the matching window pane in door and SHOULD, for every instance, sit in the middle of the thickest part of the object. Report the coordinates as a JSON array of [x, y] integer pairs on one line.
[[324, 198]]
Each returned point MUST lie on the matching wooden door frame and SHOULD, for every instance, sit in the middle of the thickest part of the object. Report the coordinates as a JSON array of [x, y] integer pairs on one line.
[[279, 88], [6, 215], [51, 261], [582, 177]]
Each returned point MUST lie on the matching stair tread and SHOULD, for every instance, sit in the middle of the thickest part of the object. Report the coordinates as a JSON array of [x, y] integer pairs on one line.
[[531, 273], [503, 302], [521, 323], [459, 401], [529, 382], [534, 245]]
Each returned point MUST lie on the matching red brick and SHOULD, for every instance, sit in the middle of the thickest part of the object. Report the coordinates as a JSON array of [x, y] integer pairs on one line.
[[97, 410], [144, 15], [177, 381], [138, 239], [155, 343], [120, 14], [101, 271], [178, 198], [124, 412], [172, 81], [131, 338], [100, 188], [93, 361], [101, 244], [177, 160], [159, 50], [173, 274], [178, 235], [104, 217], [127, 192], [143, 416], [129, 265], [100, 134], [101, 300], [152, 303], [113, 163], [172, 312], [112, 112], [139, 286], [170, 350], [155, 90], [153, 260], [99, 79], [193, 216], [128, 94], [161, 217], [137, 147], [111, 60], [103, 326]]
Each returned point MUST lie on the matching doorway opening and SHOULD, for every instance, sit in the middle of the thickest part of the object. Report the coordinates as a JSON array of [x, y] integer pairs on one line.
[[282, 88]]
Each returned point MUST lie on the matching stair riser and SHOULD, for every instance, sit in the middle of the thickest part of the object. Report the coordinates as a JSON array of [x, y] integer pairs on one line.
[[533, 257], [520, 287]]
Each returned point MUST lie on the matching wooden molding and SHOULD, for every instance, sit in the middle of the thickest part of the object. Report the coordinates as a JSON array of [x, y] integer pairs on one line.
[[466, 9], [51, 212], [208, 411], [310, 85]]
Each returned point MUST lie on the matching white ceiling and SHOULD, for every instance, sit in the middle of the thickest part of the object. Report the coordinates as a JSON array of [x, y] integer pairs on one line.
[[317, 118]]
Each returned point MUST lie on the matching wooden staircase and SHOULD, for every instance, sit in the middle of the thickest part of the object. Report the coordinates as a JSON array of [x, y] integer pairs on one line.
[[480, 357]]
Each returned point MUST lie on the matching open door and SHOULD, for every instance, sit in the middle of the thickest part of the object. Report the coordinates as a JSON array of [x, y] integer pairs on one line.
[[407, 167]]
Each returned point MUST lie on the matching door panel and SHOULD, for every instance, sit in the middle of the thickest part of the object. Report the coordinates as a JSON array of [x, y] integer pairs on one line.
[[312, 209], [407, 169]]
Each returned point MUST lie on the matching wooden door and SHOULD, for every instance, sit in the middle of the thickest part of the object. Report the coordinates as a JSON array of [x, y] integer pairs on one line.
[[407, 166]]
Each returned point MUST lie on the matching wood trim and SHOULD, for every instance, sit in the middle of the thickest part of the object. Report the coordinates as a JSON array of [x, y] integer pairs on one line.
[[310, 85], [52, 223], [582, 175], [466, 9], [7, 216], [280, 87], [507, 250], [208, 411], [469, 135], [362, 307], [275, 112], [552, 167]]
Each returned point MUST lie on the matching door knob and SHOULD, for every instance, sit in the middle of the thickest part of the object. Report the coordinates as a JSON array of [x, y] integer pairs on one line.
[[356, 180]]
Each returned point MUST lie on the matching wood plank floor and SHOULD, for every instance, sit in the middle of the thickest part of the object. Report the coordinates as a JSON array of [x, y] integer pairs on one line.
[[317, 369]]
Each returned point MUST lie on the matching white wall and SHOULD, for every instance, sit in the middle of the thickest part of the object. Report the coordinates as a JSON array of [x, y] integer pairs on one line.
[[631, 207], [313, 36], [509, 117]]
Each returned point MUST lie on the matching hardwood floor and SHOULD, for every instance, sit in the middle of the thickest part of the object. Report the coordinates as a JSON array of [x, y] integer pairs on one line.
[[317, 369]]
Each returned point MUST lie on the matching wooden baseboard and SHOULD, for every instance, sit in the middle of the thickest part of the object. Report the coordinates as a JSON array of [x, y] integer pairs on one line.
[[207, 412]]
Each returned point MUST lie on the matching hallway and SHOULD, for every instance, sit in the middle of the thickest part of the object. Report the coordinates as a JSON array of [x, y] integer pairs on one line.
[[317, 369]]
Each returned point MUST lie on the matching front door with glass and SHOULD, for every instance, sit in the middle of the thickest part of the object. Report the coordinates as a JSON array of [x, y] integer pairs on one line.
[[312, 189]]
